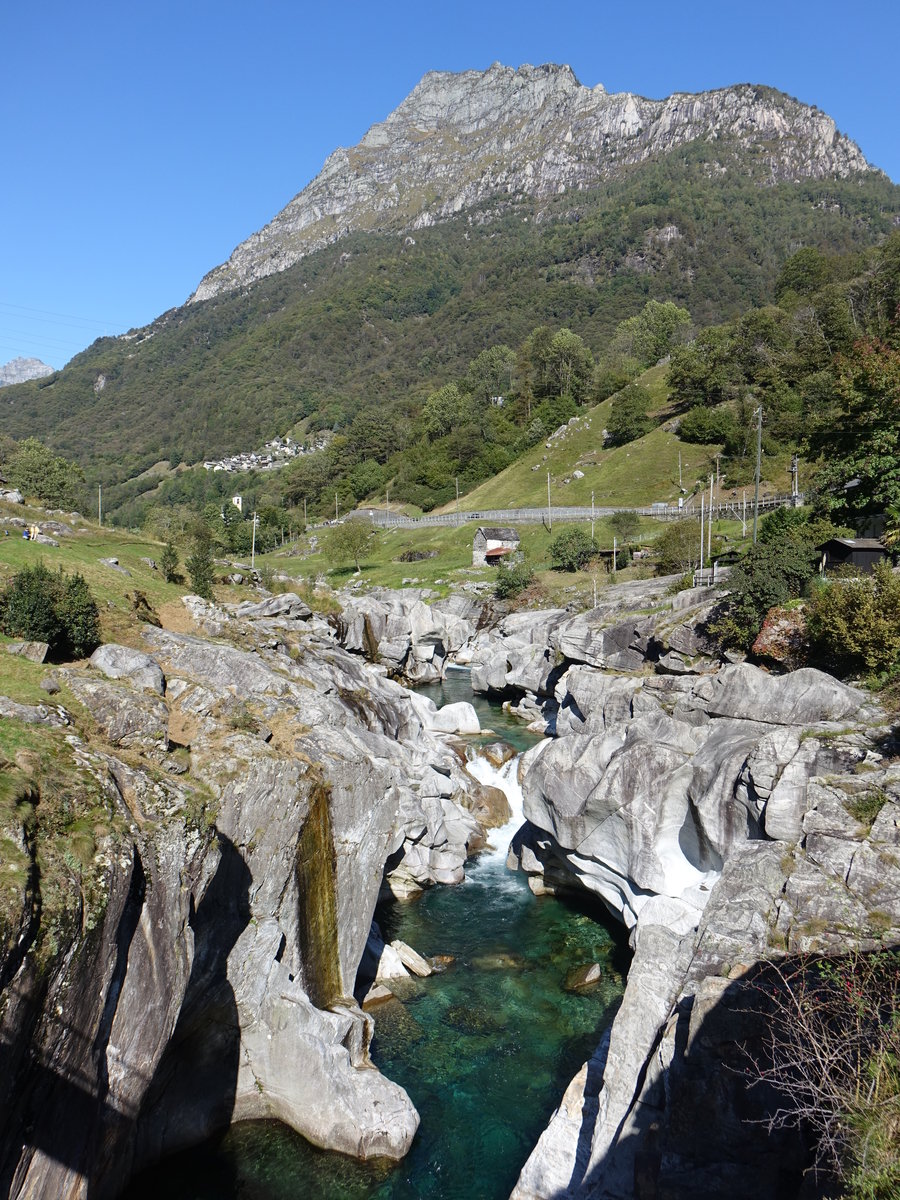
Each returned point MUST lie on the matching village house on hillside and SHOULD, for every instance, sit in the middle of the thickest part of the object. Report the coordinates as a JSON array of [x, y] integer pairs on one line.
[[492, 543]]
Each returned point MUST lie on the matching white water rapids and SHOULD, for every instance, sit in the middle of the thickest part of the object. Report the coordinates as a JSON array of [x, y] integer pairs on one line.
[[506, 778]]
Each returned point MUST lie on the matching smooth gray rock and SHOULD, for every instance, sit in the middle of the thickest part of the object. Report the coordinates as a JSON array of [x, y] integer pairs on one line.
[[35, 652], [122, 662], [288, 605], [32, 714], [801, 698]]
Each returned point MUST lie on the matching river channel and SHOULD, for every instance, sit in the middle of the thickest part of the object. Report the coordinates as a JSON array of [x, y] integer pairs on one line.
[[484, 1049]]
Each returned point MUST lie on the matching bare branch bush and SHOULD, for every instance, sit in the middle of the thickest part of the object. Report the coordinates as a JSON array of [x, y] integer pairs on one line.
[[833, 1056]]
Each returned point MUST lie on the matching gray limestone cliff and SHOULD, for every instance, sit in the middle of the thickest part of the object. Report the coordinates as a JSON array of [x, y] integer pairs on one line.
[[482, 139]]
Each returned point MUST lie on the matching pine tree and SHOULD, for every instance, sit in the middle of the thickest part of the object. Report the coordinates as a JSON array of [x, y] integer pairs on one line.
[[169, 563], [200, 563]]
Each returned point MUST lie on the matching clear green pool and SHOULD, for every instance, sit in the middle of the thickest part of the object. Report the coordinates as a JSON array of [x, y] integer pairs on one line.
[[484, 1049]]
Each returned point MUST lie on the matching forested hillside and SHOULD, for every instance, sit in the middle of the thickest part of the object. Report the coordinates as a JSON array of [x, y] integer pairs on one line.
[[356, 337]]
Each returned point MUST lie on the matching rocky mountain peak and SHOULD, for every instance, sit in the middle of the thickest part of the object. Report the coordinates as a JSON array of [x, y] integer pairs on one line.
[[20, 370], [461, 140], [472, 101]]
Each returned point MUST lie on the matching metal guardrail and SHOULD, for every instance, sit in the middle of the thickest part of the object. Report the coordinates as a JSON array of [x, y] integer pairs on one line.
[[732, 508]]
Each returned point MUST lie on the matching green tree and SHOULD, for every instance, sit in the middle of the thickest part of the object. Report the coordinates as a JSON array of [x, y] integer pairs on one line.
[[628, 415], [54, 608], [625, 525], [444, 410], [168, 562], [490, 373], [706, 426], [769, 574], [29, 605], [678, 548], [350, 540], [804, 273], [704, 371], [572, 549], [856, 432], [79, 617], [569, 365], [652, 334], [49, 477], [199, 562]]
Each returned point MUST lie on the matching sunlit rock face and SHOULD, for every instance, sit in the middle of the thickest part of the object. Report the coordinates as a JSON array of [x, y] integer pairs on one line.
[[255, 786], [482, 139]]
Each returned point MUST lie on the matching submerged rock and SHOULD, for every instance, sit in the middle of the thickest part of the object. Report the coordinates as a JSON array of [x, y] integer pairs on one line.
[[584, 979]]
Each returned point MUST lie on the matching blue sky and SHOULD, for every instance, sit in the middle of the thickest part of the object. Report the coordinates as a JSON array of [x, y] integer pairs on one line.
[[141, 143]]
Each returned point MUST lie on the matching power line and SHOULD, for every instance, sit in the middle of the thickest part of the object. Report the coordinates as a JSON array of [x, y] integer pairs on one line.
[[99, 322], [22, 335]]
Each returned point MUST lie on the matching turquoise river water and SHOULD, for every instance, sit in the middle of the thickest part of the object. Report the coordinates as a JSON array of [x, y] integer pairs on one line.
[[484, 1049]]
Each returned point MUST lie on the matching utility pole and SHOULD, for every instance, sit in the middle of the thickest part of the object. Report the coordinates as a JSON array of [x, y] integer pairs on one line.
[[795, 477], [99, 503], [744, 512], [549, 509], [759, 416], [709, 534], [679, 470], [457, 500], [253, 545], [702, 499]]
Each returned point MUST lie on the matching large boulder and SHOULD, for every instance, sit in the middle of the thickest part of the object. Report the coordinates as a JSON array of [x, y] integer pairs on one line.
[[122, 662]]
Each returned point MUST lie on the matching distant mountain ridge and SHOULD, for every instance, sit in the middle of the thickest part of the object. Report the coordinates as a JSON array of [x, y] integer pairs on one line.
[[20, 370], [461, 141]]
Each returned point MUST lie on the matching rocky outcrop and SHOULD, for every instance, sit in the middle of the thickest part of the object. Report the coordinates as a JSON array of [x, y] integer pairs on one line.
[[665, 1107], [485, 138], [20, 370], [412, 639], [727, 816], [200, 966], [122, 662]]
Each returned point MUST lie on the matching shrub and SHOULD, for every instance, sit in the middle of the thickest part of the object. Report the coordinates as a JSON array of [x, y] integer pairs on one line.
[[572, 550], [628, 417], [41, 606], [769, 574], [512, 580], [80, 619], [854, 623], [49, 477], [625, 525], [706, 425], [835, 1059]]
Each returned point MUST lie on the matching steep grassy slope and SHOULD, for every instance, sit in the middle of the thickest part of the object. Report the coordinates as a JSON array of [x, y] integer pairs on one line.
[[642, 472]]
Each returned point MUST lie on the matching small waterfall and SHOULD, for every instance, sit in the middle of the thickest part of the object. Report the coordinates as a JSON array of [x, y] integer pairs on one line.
[[506, 778]]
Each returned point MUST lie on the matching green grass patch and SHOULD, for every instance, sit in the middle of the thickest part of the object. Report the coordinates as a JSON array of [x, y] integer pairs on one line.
[[451, 563], [866, 808]]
